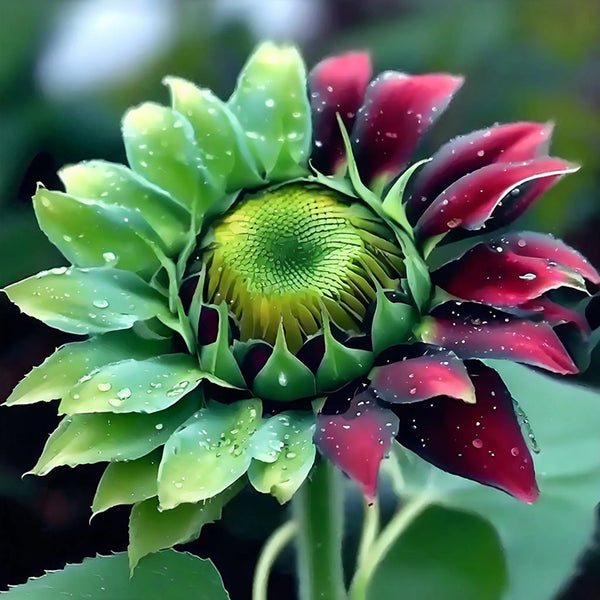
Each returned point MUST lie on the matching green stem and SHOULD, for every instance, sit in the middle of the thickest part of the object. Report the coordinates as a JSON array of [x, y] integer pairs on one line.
[[369, 529], [392, 531], [318, 510], [278, 540]]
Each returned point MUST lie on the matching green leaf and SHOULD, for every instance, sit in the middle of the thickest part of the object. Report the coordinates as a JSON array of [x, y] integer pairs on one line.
[[565, 420], [161, 146], [127, 482], [116, 185], [271, 103], [284, 454], [418, 280], [63, 369], [88, 301], [90, 233], [218, 134], [86, 439], [151, 529], [208, 453], [284, 377], [144, 386], [392, 322], [443, 554], [168, 574]]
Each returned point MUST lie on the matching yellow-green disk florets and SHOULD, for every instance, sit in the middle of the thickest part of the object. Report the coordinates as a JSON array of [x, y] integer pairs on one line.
[[289, 254]]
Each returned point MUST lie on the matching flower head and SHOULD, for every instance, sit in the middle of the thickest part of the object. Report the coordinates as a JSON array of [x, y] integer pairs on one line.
[[257, 286]]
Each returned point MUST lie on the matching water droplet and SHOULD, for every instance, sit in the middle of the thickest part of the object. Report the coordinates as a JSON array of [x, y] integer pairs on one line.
[[109, 256], [158, 426], [528, 276], [477, 443], [124, 393], [452, 223], [104, 387], [100, 303], [282, 380], [115, 402], [514, 451]]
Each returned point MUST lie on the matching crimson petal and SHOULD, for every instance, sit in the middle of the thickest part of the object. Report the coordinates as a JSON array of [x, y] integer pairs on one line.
[[481, 441], [438, 373], [493, 275], [543, 245], [514, 142], [556, 314], [398, 109], [476, 331], [469, 202], [337, 85], [357, 440]]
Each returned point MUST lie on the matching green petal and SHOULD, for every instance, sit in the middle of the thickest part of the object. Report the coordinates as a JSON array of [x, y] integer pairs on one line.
[[284, 377], [218, 134], [283, 454], [271, 103], [127, 482], [141, 386], [161, 146], [88, 301], [86, 439], [114, 184], [392, 322], [208, 453], [340, 364], [152, 529], [63, 369], [91, 234]]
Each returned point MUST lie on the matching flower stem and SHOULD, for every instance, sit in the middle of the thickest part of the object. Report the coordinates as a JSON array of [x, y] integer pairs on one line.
[[318, 511], [278, 540], [369, 529], [380, 547]]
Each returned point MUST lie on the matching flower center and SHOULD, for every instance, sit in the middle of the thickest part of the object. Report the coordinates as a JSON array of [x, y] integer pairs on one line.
[[289, 254]]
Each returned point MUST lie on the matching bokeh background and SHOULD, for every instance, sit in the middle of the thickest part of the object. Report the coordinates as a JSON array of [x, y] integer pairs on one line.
[[69, 69]]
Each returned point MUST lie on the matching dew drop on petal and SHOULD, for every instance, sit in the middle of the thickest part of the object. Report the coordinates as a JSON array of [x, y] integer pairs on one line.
[[477, 443], [104, 387], [100, 303]]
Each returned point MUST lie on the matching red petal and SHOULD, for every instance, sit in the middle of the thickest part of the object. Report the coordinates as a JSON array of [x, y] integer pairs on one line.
[[556, 314], [481, 441], [542, 245], [337, 85], [398, 109], [501, 277], [476, 331], [469, 202], [357, 440], [513, 142], [439, 373]]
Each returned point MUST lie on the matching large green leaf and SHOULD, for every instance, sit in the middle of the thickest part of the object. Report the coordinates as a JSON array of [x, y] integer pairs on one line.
[[208, 453], [168, 574], [88, 301], [161, 146], [271, 102], [63, 369], [284, 454], [90, 233], [115, 184], [127, 482], [218, 134], [445, 554], [144, 386], [84, 439], [565, 420], [151, 529]]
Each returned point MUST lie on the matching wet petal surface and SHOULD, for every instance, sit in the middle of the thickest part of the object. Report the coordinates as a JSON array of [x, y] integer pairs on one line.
[[481, 441]]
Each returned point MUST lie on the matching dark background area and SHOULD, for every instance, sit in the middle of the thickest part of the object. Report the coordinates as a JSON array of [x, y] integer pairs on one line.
[[68, 70]]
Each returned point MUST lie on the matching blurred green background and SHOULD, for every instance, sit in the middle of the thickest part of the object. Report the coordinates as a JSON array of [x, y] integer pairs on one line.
[[69, 69]]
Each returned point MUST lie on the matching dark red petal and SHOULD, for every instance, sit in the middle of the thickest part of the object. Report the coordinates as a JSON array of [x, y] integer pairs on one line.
[[398, 109], [357, 440], [415, 379], [542, 245], [337, 85], [481, 441], [469, 202], [476, 331], [502, 278], [556, 314], [514, 142]]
